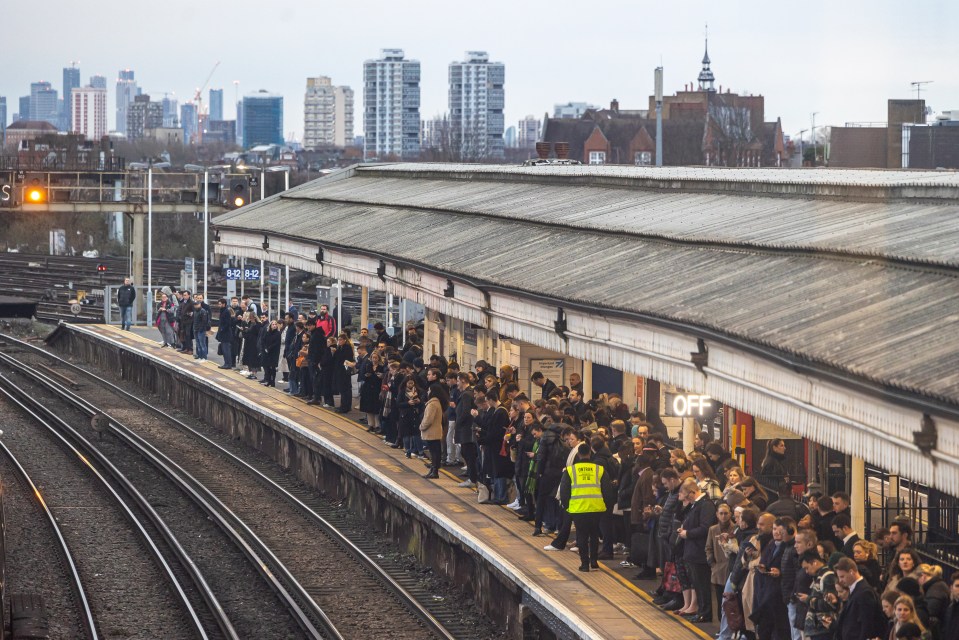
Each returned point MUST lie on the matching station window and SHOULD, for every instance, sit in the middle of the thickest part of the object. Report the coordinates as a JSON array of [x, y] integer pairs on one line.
[[644, 158]]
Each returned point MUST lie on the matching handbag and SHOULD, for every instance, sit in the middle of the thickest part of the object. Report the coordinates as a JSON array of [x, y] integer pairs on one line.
[[482, 493], [733, 612]]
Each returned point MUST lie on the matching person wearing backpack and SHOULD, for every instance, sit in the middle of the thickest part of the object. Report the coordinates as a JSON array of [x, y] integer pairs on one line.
[[823, 601], [604, 457]]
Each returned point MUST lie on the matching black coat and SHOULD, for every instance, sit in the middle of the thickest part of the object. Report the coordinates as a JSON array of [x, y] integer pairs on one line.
[[861, 617], [126, 294], [224, 331], [271, 348], [463, 429], [342, 355], [493, 424], [701, 516], [849, 544], [251, 351], [550, 461], [548, 387]]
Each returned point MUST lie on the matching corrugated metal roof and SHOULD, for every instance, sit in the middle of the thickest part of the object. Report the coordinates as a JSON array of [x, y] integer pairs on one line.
[[885, 322]]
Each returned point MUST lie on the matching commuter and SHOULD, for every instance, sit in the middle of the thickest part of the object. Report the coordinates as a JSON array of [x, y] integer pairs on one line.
[[453, 455], [498, 466], [166, 318], [287, 333], [545, 385], [706, 479], [550, 461], [776, 565], [822, 517], [342, 376], [602, 456], [840, 503], [585, 492], [822, 603], [905, 614], [861, 616], [572, 440], [950, 621], [251, 353], [738, 547], [292, 342], [224, 334], [304, 372], [381, 334], [720, 460], [667, 525], [787, 506], [772, 472], [900, 537], [717, 557], [802, 585], [185, 322], [754, 492], [734, 476], [464, 435], [271, 353], [410, 402], [935, 595], [370, 372], [843, 531], [576, 383], [238, 314], [250, 306], [864, 553], [201, 325], [126, 295], [694, 530], [388, 397], [431, 426]]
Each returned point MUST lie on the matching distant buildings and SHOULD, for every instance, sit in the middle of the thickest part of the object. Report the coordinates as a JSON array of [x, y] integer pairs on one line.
[[262, 118], [327, 114], [44, 104], [171, 108], [88, 111], [571, 109], [391, 106], [189, 122], [476, 100], [71, 81], [98, 82], [509, 138], [26, 129], [701, 126], [220, 131], [876, 145], [127, 90], [216, 104], [527, 132], [143, 115], [23, 109], [3, 120]]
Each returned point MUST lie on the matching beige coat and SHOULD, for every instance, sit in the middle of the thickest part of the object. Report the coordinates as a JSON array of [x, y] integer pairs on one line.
[[431, 428]]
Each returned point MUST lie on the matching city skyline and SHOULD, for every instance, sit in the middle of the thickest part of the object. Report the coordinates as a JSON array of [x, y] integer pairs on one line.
[[843, 65]]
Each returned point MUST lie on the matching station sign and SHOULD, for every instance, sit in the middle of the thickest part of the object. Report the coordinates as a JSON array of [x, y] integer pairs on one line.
[[273, 276], [690, 405], [243, 274], [6, 193]]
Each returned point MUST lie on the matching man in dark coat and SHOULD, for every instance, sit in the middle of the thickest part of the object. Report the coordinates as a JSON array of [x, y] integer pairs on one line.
[[604, 457], [695, 527], [861, 618], [271, 353], [185, 322], [463, 429], [201, 324], [126, 295], [950, 621], [342, 378], [667, 525], [842, 529], [550, 466], [546, 385], [317, 353], [224, 334], [769, 609]]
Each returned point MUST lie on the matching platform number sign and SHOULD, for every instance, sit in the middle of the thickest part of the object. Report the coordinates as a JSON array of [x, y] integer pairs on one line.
[[243, 274]]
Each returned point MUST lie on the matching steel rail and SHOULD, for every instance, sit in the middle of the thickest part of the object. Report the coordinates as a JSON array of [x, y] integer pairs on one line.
[[37, 411], [417, 608], [76, 582], [292, 594]]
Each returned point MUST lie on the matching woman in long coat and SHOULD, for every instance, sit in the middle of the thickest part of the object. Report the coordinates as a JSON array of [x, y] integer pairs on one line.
[[166, 317], [371, 372], [410, 401], [251, 350]]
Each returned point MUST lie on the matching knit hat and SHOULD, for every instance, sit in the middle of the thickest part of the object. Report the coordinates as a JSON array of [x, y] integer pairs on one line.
[[735, 498]]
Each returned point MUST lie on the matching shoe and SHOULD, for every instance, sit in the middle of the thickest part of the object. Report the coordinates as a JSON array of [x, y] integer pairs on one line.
[[397, 446], [701, 619], [619, 547], [627, 564], [574, 549], [658, 600], [604, 556], [584, 568], [264, 382], [514, 504], [409, 455], [550, 547], [672, 605], [594, 565], [467, 485], [432, 476], [195, 357], [538, 532], [312, 402], [389, 444], [244, 372], [223, 367], [251, 377]]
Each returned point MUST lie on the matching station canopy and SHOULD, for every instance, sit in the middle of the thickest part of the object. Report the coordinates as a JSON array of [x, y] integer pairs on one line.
[[824, 300]]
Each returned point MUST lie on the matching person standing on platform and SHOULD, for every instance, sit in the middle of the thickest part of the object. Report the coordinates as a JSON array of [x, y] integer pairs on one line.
[[325, 321], [126, 295], [861, 617], [431, 426], [694, 531], [166, 318], [224, 334], [185, 322], [251, 354], [585, 490], [342, 376], [463, 429], [201, 324], [271, 353]]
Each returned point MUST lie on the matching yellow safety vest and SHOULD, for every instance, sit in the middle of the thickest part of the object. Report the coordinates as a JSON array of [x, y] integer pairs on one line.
[[586, 495]]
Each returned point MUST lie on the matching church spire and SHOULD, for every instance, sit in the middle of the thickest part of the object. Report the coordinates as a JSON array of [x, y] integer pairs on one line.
[[706, 78]]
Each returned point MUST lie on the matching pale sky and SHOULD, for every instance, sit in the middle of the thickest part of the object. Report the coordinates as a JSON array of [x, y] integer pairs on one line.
[[842, 59]]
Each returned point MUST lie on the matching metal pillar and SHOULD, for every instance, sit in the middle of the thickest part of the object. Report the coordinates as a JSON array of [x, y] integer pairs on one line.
[[261, 286], [587, 379], [287, 307], [364, 307], [149, 298], [659, 116], [243, 279], [206, 230], [339, 305], [857, 493]]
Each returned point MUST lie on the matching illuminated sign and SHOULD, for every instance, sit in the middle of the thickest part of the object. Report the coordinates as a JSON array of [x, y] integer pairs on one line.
[[6, 193], [690, 405]]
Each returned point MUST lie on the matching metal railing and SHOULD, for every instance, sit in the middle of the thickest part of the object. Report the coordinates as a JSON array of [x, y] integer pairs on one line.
[[62, 161]]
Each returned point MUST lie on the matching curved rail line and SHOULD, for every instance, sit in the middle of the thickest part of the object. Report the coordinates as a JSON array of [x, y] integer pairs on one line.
[[302, 607], [76, 582], [433, 624]]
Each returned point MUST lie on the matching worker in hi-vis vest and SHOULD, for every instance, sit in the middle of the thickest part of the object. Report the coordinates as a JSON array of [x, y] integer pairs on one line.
[[584, 491]]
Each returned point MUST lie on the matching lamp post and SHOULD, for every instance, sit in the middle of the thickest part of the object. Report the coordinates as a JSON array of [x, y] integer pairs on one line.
[[206, 221], [149, 296], [812, 137], [800, 148]]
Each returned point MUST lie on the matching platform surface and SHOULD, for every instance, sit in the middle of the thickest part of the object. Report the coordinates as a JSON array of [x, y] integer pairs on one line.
[[602, 604]]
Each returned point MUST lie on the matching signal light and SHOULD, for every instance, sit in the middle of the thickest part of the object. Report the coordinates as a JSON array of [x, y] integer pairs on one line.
[[239, 191], [101, 268]]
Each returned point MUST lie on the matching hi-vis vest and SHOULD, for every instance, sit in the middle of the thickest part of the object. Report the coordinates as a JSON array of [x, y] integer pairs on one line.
[[586, 495]]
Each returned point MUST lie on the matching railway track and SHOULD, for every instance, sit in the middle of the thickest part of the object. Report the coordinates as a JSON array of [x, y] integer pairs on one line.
[[294, 524]]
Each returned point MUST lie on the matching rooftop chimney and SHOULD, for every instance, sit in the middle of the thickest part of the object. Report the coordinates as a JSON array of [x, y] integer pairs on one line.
[[614, 106], [562, 149], [542, 150]]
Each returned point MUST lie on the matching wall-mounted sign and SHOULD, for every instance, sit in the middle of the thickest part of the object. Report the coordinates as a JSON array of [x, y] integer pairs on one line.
[[682, 405]]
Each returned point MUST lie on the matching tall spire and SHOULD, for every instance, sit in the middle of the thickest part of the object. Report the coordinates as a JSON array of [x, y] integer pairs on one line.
[[706, 78]]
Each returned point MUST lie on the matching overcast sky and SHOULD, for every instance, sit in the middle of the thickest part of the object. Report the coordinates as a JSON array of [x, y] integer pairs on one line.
[[842, 59]]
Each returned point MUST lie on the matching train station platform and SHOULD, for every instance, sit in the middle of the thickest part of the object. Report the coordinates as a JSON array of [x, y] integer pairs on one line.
[[599, 604]]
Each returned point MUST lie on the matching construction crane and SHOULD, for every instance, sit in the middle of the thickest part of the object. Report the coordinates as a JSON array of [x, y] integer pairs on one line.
[[918, 85], [198, 97]]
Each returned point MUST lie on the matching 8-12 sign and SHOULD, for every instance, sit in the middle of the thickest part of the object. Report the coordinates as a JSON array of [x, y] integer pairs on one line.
[[242, 274]]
